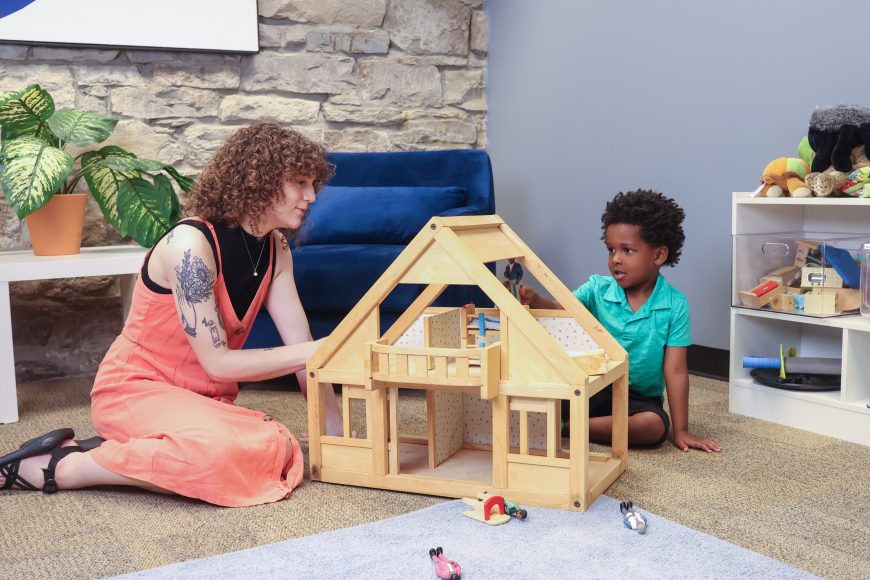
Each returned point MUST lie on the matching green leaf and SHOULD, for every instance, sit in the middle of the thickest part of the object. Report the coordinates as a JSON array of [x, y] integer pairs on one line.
[[134, 164], [149, 165], [185, 183], [146, 208], [106, 183], [177, 211], [32, 172], [26, 113], [5, 96], [81, 129]]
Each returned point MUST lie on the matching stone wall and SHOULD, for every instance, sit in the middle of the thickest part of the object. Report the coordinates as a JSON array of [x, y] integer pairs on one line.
[[355, 75]]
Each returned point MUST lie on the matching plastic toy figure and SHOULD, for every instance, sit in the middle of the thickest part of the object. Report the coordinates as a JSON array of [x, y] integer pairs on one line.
[[513, 273], [632, 519], [444, 568], [517, 511]]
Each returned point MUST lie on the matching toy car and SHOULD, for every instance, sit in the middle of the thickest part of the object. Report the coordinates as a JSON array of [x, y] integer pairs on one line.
[[444, 568]]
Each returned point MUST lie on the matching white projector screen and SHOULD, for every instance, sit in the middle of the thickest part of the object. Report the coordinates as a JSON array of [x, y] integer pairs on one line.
[[214, 25]]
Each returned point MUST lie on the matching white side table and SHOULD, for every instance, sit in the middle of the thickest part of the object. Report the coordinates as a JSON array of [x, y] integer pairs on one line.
[[123, 261]]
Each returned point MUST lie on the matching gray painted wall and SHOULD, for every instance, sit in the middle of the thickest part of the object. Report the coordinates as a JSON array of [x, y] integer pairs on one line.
[[689, 98]]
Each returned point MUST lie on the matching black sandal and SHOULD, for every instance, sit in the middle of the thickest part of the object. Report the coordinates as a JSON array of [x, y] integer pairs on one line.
[[41, 445], [92, 443]]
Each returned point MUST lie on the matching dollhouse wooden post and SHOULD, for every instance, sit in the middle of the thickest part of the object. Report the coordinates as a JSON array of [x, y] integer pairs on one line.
[[500, 440], [394, 430], [579, 444], [619, 435], [316, 424], [377, 429]]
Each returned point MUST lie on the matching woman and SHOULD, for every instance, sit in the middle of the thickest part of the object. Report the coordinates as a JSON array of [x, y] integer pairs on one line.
[[163, 396]]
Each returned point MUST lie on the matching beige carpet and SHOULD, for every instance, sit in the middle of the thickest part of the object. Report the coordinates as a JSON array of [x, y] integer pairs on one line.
[[788, 494]]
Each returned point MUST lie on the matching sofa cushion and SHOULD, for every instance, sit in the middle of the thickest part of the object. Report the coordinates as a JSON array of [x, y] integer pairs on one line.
[[333, 278], [375, 215]]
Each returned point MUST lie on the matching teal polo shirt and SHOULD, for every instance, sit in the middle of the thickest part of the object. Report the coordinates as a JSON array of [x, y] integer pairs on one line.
[[662, 321]]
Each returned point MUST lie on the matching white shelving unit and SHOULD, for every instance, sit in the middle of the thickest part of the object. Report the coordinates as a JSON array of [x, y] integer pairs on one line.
[[843, 414]]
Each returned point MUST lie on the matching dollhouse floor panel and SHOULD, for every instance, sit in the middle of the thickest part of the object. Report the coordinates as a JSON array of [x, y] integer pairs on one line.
[[466, 465]]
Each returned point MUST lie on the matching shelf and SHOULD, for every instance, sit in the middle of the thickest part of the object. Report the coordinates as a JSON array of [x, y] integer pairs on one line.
[[821, 412], [842, 414], [743, 198], [830, 398], [850, 321]]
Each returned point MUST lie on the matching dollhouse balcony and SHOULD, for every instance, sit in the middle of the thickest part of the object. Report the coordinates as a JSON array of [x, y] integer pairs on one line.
[[463, 369]]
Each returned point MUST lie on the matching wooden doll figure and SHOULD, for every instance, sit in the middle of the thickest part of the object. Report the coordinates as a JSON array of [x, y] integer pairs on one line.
[[513, 273]]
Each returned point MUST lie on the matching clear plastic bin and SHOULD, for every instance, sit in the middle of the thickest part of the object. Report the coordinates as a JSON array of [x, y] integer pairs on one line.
[[803, 273]]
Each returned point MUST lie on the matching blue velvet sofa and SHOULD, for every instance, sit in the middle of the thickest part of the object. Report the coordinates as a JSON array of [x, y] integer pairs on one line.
[[363, 219]]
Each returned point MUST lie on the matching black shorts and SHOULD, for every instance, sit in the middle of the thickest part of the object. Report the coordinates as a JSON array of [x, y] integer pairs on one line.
[[601, 405]]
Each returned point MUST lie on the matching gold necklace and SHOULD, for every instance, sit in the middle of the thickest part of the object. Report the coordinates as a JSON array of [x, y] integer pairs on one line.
[[257, 265]]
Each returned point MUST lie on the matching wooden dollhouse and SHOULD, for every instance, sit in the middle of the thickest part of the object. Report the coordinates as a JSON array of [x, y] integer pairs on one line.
[[493, 386]]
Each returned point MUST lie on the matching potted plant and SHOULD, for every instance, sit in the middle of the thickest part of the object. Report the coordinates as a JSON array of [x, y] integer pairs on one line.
[[135, 195]]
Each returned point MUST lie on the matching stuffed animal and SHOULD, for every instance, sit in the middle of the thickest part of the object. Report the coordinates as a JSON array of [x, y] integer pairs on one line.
[[824, 184], [857, 183], [784, 176], [840, 137]]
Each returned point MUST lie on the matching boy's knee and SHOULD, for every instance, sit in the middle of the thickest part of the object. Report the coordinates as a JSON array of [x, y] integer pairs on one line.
[[647, 428]]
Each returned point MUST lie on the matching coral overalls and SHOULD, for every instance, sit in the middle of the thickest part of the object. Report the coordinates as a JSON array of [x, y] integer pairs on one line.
[[168, 423]]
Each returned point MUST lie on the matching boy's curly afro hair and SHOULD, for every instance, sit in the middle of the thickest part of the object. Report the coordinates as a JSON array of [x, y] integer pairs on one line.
[[659, 218]]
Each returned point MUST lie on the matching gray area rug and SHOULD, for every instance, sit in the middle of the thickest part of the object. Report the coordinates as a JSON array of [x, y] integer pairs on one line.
[[549, 544]]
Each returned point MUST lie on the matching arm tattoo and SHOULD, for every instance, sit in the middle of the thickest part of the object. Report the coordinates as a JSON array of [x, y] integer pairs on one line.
[[215, 335], [195, 283], [220, 319]]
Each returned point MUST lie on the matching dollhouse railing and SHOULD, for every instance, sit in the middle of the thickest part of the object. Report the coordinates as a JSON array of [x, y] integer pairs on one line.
[[441, 367]]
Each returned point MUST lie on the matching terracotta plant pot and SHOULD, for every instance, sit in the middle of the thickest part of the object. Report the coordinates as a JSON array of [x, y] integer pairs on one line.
[[56, 228]]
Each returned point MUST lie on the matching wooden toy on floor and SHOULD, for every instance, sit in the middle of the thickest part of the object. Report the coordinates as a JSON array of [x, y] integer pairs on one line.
[[493, 411], [483, 506]]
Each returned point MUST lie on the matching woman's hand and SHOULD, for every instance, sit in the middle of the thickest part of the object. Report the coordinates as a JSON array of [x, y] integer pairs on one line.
[[312, 347]]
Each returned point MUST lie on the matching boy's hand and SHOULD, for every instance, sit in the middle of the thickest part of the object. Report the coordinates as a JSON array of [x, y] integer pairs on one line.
[[683, 440], [528, 295]]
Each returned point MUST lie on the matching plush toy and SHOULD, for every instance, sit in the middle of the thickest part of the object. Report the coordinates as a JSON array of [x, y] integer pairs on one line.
[[857, 183], [824, 184], [840, 137], [784, 176]]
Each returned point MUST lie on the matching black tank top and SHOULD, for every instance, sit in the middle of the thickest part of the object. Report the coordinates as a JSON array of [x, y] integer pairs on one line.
[[238, 262]]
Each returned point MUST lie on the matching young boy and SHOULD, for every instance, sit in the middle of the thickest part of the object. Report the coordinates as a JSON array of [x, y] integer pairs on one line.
[[649, 317]]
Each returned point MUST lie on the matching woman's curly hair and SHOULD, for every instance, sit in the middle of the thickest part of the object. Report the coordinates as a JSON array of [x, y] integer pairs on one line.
[[246, 175], [659, 218]]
